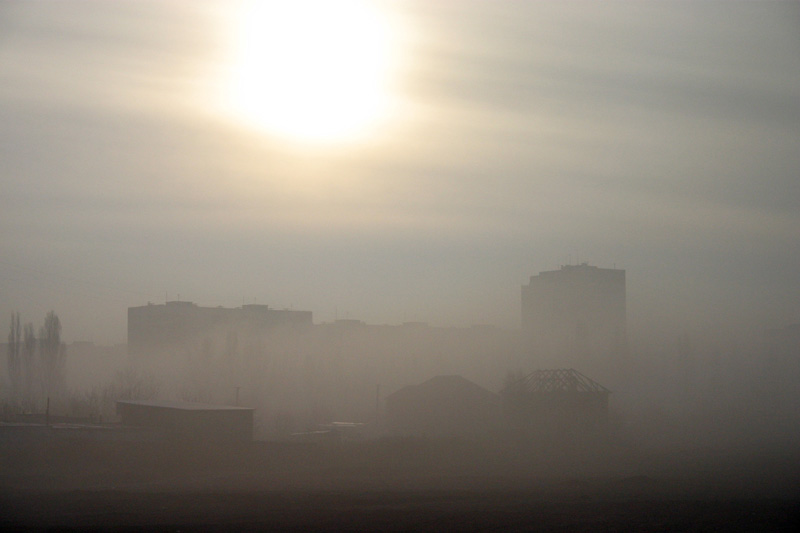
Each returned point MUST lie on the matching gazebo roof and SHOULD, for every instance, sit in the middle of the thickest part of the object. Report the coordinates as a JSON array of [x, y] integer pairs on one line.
[[557, 380]]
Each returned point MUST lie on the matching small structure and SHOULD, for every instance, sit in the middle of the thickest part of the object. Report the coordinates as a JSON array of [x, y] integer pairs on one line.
[[189, 420], [556, 403], [443, 406]]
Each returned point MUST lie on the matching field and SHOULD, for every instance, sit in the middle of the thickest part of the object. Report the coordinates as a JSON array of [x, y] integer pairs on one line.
[[48, 483]]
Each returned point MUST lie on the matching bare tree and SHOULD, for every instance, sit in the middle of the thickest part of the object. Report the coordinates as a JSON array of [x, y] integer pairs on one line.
[[29, 365], [52, 353], [14, 367]]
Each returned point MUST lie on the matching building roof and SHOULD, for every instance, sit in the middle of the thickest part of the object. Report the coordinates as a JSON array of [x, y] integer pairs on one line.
[[183, 406], [449, 385]]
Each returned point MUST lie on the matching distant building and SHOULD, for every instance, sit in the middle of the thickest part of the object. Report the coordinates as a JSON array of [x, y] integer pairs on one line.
[[308, 368], [575, 314], [156, 327], [188, 420], [443, 406]]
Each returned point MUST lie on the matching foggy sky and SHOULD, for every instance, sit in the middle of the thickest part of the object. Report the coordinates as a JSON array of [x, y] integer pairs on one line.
[[661, 138]]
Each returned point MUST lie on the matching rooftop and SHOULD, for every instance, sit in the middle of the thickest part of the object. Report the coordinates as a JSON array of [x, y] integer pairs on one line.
[[184, 406]]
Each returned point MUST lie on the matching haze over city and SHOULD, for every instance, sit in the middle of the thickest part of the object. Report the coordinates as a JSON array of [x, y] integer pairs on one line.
[[365, 247]]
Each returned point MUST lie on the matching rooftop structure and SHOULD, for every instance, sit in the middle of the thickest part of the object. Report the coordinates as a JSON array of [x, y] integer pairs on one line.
[[556, 402], [559, 381]]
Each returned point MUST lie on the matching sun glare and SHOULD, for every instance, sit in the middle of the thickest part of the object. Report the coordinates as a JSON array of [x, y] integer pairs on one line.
[[313, 70]]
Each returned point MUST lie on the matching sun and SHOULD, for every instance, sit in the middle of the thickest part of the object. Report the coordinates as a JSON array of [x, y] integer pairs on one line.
[[313, 70]]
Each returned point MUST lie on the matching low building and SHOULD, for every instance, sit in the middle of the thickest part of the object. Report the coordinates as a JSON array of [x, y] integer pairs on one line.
[[189, 420], [443, 407]]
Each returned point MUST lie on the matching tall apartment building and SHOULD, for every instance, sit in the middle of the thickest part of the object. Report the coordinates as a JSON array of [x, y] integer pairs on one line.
[[575, 314]]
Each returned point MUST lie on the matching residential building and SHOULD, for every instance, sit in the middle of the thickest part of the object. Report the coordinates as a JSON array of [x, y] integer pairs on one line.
[[574, 314]]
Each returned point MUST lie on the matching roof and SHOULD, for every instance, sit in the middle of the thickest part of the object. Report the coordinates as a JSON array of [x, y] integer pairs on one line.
[[183, 406], [450, 385], [557, 380]]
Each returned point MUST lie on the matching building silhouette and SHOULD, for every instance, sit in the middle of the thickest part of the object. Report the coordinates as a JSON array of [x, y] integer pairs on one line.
[[188, 421], [177, 324], [574, 315], [443, 407]]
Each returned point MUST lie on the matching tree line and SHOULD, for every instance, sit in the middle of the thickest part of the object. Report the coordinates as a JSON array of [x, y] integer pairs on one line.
[[36, 365]]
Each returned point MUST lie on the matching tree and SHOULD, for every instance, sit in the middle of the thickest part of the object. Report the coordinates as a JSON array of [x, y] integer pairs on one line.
[[14, 367], [52, 353], [29, 364]]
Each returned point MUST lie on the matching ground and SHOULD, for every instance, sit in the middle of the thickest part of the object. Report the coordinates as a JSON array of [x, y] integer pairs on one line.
[[52, 483]]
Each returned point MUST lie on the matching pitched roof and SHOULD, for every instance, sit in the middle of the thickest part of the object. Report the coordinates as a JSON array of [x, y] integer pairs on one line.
[[452, 384]]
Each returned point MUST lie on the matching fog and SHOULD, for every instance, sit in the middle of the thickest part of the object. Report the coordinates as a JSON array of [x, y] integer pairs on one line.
[[346, 224], [725, 389]]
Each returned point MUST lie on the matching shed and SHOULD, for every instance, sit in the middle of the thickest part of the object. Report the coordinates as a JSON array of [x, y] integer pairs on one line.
[[189, 420]]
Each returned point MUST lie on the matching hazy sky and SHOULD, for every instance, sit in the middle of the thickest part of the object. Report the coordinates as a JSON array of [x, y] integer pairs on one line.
[[662, 137]]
